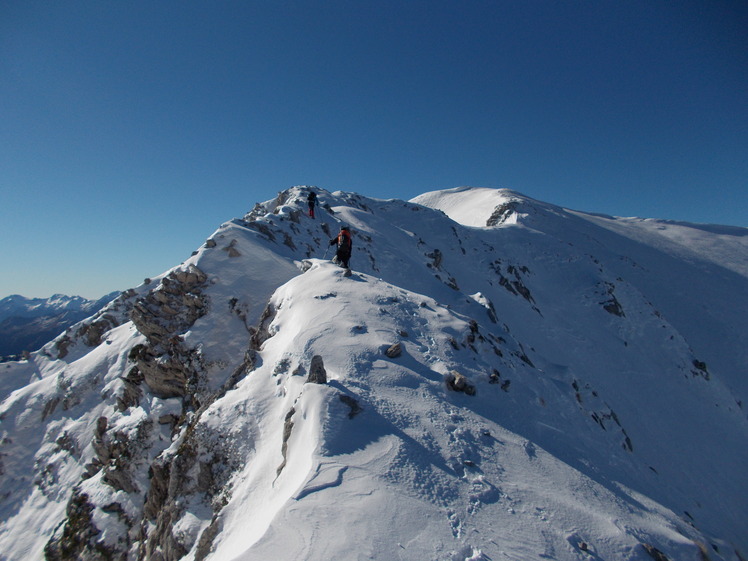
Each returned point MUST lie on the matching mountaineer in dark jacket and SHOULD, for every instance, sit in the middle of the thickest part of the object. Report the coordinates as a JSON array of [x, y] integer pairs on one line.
[[311, 200], [343, 254]]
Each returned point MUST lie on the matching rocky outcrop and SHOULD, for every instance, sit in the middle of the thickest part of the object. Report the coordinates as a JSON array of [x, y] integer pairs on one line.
[[231, 249], [459, 383], [262, 333], [201, 464], [611, 304], [172, 307], [436, 257], [199, 468], [502, 213], [167, 374], [117, 453], [165, 368], [78, 539], [654, 553], [165, 364], [317, 372], [352, 403], [93, 332], [287, 429], [591, 403], [700, 369], [394, 350], [512, 280]]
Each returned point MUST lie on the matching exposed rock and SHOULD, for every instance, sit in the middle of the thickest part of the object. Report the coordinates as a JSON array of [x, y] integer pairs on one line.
[[502, 213], [240, 310], [484, 301], [287, 428], [611, 304], [288, 240], [131, 392], [436, 259], [262, 333], [78, 539], [590, 403], [179, 292], [231, 249], [459, 383], [62, 345], [352, 403], [116, 452], [205, 542], [654, 553], [50, 406], [317, 372], [263, 229], [164, 313], [282, 366], [394, 351], [92, 332], [700, 369], [200, 467], [166, 376], [515, 286]]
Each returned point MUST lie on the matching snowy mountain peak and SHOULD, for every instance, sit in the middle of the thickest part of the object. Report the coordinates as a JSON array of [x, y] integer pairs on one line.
[[484, 207], [27, 323], [549, 385]]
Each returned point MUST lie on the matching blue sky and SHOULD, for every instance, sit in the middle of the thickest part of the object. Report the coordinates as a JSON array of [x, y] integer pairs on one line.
[[129, 131]]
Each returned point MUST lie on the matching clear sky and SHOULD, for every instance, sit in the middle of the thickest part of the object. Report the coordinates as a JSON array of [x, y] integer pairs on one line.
[[129, 131]]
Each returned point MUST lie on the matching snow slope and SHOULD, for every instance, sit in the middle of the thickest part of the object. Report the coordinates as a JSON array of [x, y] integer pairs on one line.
[[604, 358]]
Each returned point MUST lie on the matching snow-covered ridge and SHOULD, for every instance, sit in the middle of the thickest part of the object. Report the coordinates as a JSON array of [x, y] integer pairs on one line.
[[549, 385], [726, 246], [485, 207]]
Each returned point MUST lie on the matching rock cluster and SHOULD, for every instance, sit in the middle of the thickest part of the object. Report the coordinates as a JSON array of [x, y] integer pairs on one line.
[[501, 213], [169, 369], [165, 364], [172, 307], [459, 383]]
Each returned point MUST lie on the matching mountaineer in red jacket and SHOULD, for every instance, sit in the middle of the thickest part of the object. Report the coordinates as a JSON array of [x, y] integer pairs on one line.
[[343, 254]]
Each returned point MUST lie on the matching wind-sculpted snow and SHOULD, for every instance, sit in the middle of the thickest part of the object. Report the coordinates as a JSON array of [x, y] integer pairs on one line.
[[521, 382]]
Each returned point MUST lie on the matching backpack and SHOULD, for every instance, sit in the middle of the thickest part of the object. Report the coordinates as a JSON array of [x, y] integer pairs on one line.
[[344, 240]]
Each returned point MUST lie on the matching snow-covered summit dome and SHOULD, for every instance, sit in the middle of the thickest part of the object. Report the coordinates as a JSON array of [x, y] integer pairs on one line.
[[481, 206]]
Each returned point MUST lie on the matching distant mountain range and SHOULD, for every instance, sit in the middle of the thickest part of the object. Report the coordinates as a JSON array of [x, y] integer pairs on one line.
[[26, 324]]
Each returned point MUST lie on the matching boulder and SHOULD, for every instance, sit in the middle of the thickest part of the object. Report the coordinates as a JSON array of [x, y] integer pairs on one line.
[[459, 383], [394, 351], [317, 372]]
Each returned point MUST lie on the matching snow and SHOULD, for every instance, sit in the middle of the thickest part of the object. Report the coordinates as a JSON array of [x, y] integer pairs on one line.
[[608, 357], [470, 206]]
